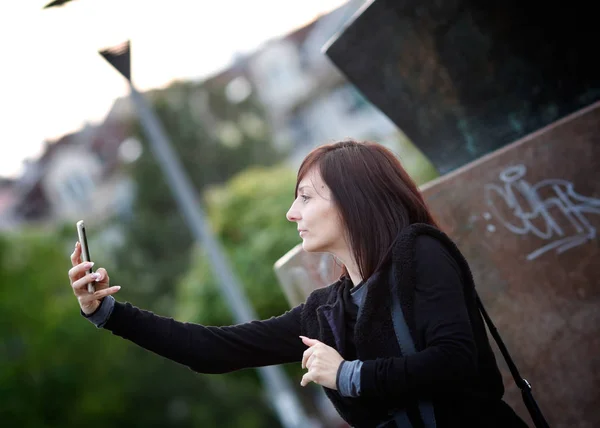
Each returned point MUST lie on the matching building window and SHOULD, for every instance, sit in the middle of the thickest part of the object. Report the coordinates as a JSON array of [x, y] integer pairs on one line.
[[76, 188]]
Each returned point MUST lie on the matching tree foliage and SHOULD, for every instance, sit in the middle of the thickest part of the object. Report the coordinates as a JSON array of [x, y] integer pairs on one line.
[[158, 240], [53, 369], [58, 370], [248, 216], [214, 139]]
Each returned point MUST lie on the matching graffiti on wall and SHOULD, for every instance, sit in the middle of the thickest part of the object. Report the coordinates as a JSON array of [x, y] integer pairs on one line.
[[550, 209]]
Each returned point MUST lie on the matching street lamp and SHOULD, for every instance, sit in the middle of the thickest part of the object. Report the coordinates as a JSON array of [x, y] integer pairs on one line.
[[56, 3], [282, 396], [284, 399]]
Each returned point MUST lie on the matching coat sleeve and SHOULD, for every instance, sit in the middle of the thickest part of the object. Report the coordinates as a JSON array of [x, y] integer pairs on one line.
[[449, 357], [206, 349]]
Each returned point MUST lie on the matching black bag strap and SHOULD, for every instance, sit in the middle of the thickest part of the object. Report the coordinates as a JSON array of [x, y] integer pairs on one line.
[[407, 347], [524, 386]]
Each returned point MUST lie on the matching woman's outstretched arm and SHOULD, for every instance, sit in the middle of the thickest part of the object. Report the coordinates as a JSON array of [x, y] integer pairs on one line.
[[207, 349], [202, 348]]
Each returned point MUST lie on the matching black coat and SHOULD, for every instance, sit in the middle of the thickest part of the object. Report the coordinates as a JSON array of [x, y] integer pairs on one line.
[[454, 366]]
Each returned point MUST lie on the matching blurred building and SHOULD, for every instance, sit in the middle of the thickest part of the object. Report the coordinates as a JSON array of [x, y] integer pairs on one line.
[[77, 176], [7, 200], [308, 101]]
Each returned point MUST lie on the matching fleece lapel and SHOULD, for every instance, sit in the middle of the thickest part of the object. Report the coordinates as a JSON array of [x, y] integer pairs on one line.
[[374, 329], [332, 326]]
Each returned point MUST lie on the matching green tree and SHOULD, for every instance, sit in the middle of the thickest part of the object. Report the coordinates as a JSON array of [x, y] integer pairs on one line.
[[201, 125], [53, 364], [248, 216], [58, 370], [199, 121]]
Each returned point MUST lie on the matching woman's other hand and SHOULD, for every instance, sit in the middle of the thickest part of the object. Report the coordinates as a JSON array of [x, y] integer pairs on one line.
[[322, 362]]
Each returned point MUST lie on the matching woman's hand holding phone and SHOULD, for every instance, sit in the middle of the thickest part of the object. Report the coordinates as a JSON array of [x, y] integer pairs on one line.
[[88, 302]]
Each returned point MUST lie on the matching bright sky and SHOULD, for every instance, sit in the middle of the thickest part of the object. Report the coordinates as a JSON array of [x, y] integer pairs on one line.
[[52, 80]]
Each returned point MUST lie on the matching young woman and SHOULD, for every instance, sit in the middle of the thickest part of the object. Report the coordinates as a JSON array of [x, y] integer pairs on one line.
[[401, 274]]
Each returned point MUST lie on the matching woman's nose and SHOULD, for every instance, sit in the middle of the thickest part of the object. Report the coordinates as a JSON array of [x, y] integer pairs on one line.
[[292, 214]]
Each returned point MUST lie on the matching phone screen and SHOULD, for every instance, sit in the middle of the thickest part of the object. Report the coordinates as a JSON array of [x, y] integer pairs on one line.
[[85, 251]]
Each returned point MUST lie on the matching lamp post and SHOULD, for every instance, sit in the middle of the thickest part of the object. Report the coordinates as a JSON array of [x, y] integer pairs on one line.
[[282, 396]]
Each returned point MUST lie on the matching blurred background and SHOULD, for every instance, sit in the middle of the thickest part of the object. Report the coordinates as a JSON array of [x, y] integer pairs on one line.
[[243, 92]]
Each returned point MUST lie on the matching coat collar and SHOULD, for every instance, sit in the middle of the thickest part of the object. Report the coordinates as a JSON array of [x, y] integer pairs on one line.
[[374, 316], [331, 319], [374, 330]]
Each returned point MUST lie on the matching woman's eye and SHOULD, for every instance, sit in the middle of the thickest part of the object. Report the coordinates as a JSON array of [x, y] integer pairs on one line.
[[304, 198]]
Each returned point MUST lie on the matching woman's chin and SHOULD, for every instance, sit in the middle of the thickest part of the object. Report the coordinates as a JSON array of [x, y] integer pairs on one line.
[[311, 248]]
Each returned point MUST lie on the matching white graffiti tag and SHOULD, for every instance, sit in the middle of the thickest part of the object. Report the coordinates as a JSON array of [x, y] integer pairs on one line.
[[532, 209]]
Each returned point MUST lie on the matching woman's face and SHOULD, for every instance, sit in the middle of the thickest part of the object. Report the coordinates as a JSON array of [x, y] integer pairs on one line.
[[319, 223]]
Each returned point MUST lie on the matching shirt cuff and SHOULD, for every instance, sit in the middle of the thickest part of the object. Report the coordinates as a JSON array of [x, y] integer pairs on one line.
[[348, 379], [102, 314]]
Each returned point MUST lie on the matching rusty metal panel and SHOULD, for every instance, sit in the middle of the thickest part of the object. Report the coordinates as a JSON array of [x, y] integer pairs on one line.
[[462, 78], [526, 218]]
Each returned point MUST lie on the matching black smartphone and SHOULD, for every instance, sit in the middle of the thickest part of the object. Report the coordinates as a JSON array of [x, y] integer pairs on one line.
[[85, 251]]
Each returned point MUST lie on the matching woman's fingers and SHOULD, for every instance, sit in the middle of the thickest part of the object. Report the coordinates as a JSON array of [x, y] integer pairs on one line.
[[100, 294], [103, 278], [76, 254], [306, 355], [310, 361], [309, 377], [82, 282], [77, 272]]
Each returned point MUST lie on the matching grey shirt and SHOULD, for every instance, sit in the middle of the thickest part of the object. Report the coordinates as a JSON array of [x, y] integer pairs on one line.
[[348, 381], [103, 312]]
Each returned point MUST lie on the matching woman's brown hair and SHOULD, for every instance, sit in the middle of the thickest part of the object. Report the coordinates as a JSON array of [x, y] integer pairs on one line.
[[373, 193]]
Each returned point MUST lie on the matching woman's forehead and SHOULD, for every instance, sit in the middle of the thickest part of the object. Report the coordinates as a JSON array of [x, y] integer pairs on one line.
[[312, 179]]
